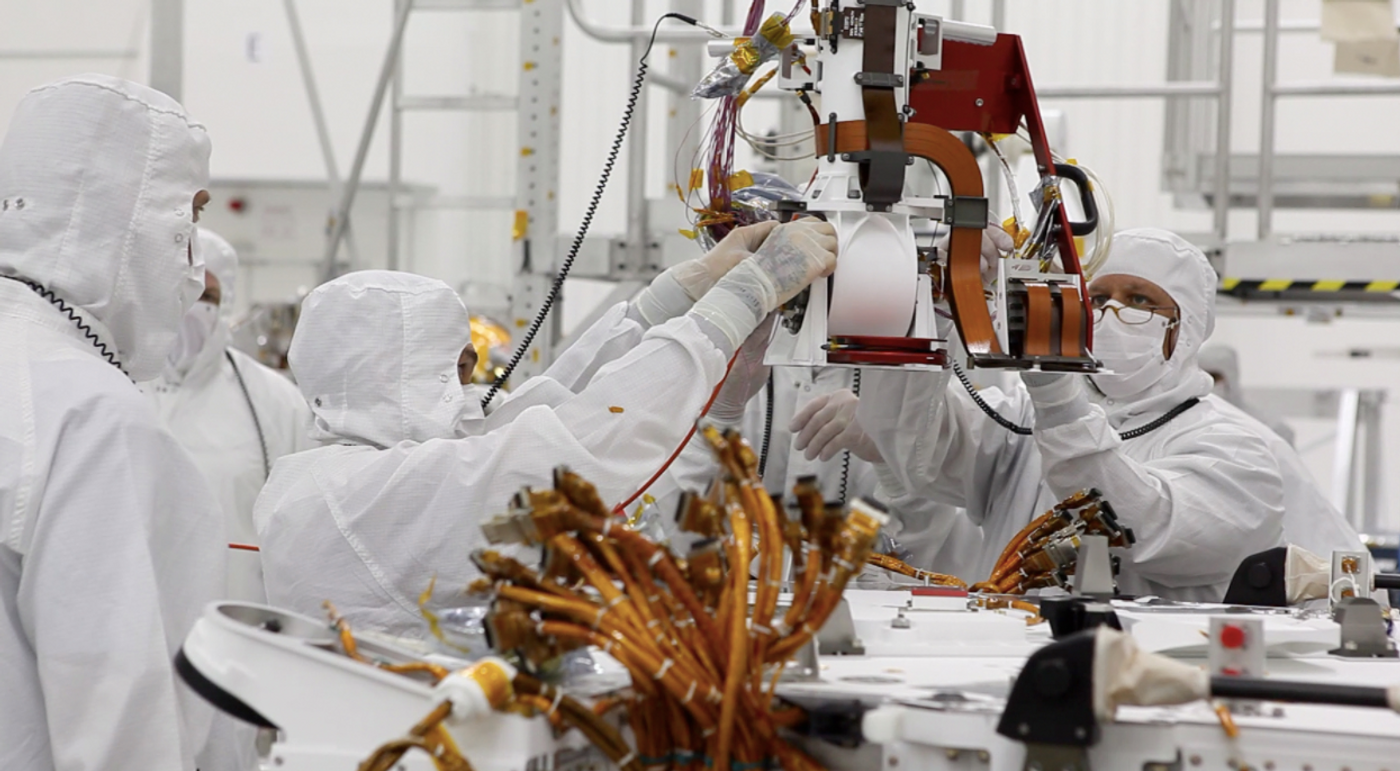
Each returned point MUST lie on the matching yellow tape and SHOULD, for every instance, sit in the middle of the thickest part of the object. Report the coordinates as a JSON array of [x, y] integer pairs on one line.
[[521, 226], [740, 179], [1328, 286], [1229, 283], [1382, 286], [691, 234], [1276, 285], [697, 179]]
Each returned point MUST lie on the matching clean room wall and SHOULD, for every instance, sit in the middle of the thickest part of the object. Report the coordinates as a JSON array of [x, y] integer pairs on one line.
[[241, 79]]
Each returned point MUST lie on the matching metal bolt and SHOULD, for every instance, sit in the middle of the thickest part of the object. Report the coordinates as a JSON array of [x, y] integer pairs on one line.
[[979, 102], [1080, 733], [894, 760], [983, 756], [870, 207], [1195, 760], [952, 754], [845, 156], [1023, 729], [19, 203]]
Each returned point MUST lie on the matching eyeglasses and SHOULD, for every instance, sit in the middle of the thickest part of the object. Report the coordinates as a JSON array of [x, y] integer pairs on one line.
[[1134, 316]]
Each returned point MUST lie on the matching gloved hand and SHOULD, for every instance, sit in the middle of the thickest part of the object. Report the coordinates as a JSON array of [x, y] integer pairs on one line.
[[698, 276], [995, 242], [746, 378], [793, 256], [827, 425], [1058, 398], [674, 292]]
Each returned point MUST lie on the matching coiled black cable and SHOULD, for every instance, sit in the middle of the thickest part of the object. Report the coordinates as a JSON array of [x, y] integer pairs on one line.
[[637, 82], [846, 456], [77, 320], [262, 440], [767, 425], [1024, 431]]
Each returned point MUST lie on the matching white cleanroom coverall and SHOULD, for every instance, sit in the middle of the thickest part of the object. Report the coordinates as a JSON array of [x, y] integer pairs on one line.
[[1222, 363], [398, 494], [233, 434], [110, 543], [1201, 492]]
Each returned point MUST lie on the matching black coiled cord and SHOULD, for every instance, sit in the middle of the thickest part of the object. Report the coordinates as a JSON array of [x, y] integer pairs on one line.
[[1024, 431], [77, 320], [846, 456], [767, 425], [262, 440], [549, 300]]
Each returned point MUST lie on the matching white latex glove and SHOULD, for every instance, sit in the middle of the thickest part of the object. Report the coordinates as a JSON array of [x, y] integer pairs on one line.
[[792, 257], [746, 378], [995, 243], [827, 425], [675, 291], [698, 276]]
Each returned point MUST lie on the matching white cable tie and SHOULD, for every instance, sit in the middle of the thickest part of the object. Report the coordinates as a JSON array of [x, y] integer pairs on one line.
[[839, 562], [665, 667], [558, 697], [598, 619], [618, 600], [539, 628], [714, 695], [760, 629], [608, 648], [628, 758], [690, 694], [607, 526], [656, 557], [653, 622], [654, 598], [708, 732]]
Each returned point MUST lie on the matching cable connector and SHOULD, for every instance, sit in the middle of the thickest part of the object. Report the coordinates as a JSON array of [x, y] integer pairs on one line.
[[518, 528]]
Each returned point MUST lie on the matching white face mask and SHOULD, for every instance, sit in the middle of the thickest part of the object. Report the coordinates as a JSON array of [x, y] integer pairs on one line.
[[192, 287], [473, 419], [1132, 351], [195, 330]]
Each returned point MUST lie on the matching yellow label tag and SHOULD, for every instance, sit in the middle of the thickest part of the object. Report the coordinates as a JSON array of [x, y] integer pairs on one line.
[[616, 410], [697, 179], [740, 179], [521, 226], [691, 234]]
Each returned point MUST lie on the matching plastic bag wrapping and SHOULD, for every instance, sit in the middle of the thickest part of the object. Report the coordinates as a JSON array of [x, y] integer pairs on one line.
[[461, 628], [1307, 575], [1126, 675], [732, 75], [755, 201], [589, 673]]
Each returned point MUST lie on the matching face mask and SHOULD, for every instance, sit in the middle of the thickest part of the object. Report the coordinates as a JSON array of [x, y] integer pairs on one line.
[[1132, 351], [193, 284], [195, 330]]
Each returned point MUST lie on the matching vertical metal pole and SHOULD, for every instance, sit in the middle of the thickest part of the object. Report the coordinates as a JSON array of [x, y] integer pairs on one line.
[[168, 47], [1222, 121], [1269, 109], [1344, 455], [684, 127], [318, 116], [395, 156], [352, 185], [994, 173], [638, 235], [1371, 468]]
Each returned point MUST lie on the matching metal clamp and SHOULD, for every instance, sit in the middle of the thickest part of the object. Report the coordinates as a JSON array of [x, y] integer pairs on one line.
[[879, 79], [963, 211]]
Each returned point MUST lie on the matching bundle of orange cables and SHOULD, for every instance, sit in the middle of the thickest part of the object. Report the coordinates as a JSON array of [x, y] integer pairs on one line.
[[704, 659], [1044, 553]]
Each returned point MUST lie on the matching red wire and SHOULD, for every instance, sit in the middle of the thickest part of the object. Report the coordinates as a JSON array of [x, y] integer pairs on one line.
[[621, 508], [244, 546]]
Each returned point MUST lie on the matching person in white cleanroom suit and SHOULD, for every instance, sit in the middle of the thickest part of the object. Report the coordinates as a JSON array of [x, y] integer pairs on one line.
[[110, 543], [1309, 520], [1202, 491], [1222, 363], [398, 495], [234, 415]]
